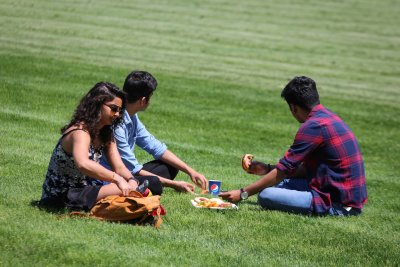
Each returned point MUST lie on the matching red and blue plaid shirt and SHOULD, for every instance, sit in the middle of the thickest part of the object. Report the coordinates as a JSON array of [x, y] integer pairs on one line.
[[331, 154]]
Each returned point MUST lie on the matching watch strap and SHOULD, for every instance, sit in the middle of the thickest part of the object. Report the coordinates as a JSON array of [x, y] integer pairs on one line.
[[242, 197]]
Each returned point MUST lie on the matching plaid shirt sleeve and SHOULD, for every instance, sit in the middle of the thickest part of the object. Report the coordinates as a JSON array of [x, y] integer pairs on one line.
[[307, 139]]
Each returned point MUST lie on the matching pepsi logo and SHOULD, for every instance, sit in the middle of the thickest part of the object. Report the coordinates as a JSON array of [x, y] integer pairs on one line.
[[214, 188]]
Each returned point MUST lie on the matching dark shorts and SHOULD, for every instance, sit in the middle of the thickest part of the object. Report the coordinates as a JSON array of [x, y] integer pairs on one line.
[[82, 198], [75, 199]]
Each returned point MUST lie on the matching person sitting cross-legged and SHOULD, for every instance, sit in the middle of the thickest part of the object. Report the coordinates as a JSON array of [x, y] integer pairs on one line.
[[322, 173]]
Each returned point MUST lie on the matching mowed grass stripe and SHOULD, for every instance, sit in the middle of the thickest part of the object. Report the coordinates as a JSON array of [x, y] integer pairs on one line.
[[90, 43], [350, 90], [266, 10], [94, 46], [388, 94], [224, 9], [104, 21], [196, 58], [185, 29]]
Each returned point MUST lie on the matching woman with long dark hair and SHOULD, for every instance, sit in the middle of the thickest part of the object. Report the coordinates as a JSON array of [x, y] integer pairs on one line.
[[73, 169]]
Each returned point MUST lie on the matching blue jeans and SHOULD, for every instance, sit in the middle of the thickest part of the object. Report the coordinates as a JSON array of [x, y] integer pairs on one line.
[[290, 195], [294, 196]]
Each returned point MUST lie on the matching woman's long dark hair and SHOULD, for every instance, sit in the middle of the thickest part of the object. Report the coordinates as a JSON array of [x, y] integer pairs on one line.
[[88, 111]]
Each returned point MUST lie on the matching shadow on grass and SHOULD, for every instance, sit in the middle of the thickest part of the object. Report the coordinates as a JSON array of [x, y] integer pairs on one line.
[[53, 208], [63, 212], [255, 206]]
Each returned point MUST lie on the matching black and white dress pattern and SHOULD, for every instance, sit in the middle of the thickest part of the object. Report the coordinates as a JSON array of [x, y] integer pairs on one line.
[[62, 173]]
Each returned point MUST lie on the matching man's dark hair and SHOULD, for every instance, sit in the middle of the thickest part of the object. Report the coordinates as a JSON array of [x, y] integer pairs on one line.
[[301, 91], [139, 84]]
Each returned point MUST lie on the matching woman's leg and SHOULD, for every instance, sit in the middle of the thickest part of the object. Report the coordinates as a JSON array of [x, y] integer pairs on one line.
[[108, 190]]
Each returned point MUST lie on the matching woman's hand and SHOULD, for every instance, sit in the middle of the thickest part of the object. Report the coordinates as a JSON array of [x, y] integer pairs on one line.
[[133, 183], [123, 185]]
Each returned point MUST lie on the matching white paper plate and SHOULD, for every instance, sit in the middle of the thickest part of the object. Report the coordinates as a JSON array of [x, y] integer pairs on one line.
[[194, 204]]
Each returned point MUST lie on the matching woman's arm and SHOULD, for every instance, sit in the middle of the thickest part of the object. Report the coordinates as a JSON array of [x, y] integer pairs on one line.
[[116, 163], [79, 142]]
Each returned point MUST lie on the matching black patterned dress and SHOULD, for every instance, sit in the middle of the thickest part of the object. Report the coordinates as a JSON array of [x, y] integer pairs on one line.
[[65, 185]]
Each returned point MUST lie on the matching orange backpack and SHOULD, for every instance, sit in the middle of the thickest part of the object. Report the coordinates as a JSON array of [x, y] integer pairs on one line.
[[132, 209]]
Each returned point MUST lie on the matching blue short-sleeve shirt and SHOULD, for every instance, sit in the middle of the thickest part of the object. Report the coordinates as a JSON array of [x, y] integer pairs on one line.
[[132, 132]]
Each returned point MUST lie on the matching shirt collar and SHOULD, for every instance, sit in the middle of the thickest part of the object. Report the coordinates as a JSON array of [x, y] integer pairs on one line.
[[315, 109], [127, 118]]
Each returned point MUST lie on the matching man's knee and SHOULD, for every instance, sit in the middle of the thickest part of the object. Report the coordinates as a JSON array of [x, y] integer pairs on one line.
[[173, 172], [161, 168], [167, 171], [292, 201], [266, 198], [155, 185]]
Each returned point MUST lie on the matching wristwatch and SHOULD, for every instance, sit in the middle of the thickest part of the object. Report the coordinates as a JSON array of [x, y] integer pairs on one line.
[[243, 194]]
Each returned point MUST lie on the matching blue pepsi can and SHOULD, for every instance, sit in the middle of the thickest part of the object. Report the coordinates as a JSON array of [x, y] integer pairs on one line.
[[214, 187]]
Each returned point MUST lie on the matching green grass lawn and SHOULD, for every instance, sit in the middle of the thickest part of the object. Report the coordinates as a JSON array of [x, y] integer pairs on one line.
[[221, 66]]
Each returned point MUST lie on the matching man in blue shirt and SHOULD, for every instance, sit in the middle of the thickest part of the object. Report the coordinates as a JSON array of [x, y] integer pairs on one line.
[[139, 87]]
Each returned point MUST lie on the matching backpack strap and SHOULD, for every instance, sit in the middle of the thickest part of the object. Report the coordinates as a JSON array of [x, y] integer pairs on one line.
[[159, 220], [156, 214]]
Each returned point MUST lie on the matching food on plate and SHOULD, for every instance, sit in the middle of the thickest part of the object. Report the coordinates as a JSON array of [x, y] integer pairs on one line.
[[246, 162], [204, 202], [203, 191], [200, 199]]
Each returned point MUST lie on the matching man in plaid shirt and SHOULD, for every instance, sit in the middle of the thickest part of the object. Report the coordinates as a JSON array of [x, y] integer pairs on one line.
[[324, 163]]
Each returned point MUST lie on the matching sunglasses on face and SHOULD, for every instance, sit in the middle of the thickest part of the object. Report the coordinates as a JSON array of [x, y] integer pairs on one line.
[[114, 108]]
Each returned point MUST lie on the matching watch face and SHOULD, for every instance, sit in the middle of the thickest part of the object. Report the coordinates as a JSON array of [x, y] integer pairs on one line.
[[244, 195]]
